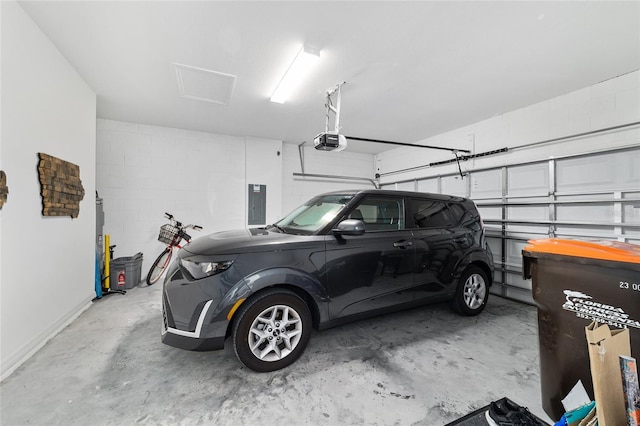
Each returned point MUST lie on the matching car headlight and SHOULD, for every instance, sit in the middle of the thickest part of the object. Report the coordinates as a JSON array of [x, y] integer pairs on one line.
[[200, 270]]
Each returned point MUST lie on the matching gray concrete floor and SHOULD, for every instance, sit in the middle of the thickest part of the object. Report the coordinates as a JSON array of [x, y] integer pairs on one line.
[[425, 366]]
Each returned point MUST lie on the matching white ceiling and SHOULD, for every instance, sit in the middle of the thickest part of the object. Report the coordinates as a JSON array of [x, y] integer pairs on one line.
[[413, 69]]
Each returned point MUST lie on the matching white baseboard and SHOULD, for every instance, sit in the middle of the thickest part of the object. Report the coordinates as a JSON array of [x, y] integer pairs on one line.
[[11, 364]]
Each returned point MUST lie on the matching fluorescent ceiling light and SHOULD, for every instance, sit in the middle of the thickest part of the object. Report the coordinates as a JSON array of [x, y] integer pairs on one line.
[[299, 68]]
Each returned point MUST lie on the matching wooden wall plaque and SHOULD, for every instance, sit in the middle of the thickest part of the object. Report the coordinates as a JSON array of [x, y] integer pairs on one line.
[[61, 187], [4, 189]]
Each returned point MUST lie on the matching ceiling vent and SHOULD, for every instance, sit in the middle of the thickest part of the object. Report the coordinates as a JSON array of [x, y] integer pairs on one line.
[[204, 85]]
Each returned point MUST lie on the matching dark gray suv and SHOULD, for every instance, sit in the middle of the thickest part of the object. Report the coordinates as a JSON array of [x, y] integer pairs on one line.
[[339, 257]]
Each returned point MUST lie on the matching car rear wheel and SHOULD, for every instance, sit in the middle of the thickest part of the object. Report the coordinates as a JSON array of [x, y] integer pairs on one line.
[[271, 330], [472, 292]]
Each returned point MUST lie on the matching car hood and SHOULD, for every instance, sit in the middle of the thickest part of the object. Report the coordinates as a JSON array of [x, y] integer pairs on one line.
[[245, 241]]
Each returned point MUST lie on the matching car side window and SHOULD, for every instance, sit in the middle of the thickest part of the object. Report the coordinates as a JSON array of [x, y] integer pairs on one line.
[[380, 213], [430, 214]]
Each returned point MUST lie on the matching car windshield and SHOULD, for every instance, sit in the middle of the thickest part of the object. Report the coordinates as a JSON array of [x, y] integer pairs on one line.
[[314, 214]]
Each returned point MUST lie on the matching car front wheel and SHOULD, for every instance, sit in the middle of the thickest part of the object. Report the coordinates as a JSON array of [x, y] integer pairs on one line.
[[472, 292], [271, 330]]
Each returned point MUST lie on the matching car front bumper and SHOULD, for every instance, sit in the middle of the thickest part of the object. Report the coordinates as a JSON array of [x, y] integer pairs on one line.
[[204, 338], [195, 313]]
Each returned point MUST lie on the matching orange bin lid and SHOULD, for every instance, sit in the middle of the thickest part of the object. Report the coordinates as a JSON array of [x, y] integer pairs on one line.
[[605, 250]]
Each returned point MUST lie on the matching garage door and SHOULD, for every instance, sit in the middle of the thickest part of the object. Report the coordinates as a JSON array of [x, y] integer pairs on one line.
[[588, 197]]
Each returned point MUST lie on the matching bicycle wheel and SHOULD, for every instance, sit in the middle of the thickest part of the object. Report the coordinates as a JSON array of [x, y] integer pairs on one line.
[[159, 266]]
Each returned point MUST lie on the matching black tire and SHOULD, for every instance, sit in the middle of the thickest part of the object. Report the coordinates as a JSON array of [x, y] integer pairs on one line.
[[280, 344], [472, 292], [158, 267]]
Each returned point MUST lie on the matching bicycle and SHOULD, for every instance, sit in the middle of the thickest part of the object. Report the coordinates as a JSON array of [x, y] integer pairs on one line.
[[171, 234]]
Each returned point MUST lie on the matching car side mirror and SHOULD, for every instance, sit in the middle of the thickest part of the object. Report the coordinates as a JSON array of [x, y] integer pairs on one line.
[[349, 227]]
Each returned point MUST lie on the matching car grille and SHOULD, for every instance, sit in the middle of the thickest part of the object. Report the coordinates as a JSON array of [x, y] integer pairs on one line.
[[167, 317], [165, 324]]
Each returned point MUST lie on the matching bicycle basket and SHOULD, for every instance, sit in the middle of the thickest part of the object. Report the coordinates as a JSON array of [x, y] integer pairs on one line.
[[169, 234]]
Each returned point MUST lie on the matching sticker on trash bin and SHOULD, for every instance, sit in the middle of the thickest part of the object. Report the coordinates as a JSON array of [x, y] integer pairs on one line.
[[585, 307]]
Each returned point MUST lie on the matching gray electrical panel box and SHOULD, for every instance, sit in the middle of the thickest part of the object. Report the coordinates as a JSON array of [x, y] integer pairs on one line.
[[100, 231], [257, 205]]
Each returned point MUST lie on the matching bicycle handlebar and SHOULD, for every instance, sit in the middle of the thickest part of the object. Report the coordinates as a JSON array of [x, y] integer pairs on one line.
[[179, 224]]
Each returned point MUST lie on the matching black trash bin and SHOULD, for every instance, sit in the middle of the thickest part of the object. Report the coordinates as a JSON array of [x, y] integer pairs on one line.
[[575, 283]]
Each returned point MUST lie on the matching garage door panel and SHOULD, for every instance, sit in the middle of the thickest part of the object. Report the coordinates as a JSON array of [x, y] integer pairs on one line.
[[528, 180], [428, 185], [631, 210], [585, 232], [454, 185], [612, 171], [536, 230], [490, 213], [514, 252], [406, 186], [519, 293], [495, 244], [586, 212], [486, 184], [533, 213], [517, 281], [632, 233]]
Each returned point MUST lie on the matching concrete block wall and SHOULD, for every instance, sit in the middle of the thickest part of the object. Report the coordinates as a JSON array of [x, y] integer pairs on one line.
[[607, 104], [144, 171]]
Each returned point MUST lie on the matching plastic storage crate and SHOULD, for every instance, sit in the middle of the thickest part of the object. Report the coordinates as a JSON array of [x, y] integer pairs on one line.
[[126, 272]]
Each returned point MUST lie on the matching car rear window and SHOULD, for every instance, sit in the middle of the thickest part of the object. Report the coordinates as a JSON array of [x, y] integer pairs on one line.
[[430, 214]]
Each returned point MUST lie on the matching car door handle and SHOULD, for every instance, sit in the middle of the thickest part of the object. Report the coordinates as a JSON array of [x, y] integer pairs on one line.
[[402, 244]]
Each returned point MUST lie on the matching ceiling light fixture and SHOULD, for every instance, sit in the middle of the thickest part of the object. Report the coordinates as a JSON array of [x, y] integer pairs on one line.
[[306, 57]]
